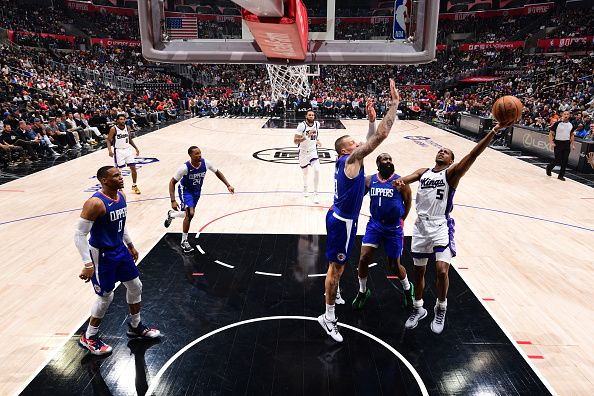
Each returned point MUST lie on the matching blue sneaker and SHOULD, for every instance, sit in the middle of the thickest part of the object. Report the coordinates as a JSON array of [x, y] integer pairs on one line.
[[142, 331], [94, 345]]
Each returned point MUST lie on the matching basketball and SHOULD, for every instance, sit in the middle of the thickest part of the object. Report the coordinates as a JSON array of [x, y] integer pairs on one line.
[[507, 110]]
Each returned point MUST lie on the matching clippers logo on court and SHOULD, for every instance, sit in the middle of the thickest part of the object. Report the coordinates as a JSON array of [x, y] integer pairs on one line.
[[341, 256], [423, 141], [140, 161], [290, 155]]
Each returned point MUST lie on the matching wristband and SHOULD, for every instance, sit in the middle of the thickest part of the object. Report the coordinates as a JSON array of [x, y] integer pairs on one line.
[[92, 266]]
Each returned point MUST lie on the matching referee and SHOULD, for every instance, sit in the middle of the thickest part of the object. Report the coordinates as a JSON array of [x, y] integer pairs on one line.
[[561, 137]]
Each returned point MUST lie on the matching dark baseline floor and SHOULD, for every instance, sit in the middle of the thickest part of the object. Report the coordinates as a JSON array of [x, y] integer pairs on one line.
[[285, 357]]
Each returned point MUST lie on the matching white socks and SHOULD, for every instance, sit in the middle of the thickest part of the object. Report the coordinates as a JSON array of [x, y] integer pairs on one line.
[[442, 304], [405, 283], [184, 237], [418, 303], [362, 285], [178, 214], [135, 319], [330, 315], [91, 331]]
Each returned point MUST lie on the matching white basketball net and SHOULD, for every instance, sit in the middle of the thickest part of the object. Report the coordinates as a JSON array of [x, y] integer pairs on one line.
[[287, 80]]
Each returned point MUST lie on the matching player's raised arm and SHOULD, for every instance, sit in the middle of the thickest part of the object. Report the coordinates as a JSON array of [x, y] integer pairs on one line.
[[456, 171], [371, 116], [382, 132], [408, 179]]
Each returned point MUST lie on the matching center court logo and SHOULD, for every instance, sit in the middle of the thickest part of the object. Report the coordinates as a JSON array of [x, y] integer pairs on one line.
[[423, 141], [140, 161], [290, 155]]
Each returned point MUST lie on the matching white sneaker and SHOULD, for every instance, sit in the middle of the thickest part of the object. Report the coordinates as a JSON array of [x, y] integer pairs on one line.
[[316, 199], [438, 322], [330, 327], [339, 299], [416, 315]]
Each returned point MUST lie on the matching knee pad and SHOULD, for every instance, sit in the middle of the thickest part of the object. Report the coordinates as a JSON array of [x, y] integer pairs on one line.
[[101, 304], [133, 290], [420, 262]]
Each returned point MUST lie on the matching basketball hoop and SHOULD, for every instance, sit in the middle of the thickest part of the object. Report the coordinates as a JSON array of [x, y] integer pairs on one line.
[[286, 80]]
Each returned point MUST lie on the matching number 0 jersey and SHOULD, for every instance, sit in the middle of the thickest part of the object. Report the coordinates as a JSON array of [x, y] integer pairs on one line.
[[121, 139], [108, 230], [435, 197]]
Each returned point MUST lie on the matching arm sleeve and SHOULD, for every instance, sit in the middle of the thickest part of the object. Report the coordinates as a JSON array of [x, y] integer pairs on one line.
[[210, 166], [127, 239], [181, 172], [83, 227], [371, 130]]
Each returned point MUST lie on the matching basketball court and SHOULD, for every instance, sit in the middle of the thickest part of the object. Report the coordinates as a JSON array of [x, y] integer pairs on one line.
[[238, 314], [238, 317]]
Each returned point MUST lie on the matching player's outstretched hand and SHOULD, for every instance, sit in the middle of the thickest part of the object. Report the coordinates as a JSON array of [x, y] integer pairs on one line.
[[370, 110], [394, 93], [398, 183], [231, 189]]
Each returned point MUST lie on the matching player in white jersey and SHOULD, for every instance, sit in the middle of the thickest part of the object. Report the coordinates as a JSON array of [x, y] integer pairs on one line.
[[120, 145], [433, 231], [308, 142]]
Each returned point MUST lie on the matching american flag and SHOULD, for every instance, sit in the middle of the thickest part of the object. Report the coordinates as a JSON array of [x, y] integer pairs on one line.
[[181, 27]]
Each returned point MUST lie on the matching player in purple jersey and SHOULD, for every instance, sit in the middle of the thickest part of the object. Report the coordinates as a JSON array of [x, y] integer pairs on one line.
[[389, 208], [349, 190], [109, 257], [433, 231], [190, 177]]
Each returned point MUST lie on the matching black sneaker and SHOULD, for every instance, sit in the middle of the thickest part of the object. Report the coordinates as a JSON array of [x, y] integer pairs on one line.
[[549, 169], [142, 331], [561, 178], [409, 297], [186, 247], [169, 219], [360, 299]]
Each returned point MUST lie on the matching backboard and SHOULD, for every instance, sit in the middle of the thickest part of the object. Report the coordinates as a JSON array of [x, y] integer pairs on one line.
[[340, 32]]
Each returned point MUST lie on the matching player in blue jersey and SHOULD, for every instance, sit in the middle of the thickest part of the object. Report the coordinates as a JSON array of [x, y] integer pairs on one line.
[[389, 208], [109, 257], [190, 177], [349, 189]]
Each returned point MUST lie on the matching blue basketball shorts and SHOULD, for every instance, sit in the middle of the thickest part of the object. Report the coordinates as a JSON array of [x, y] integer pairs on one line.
[[111, 266], [391, 237], [189, 199], [341, 234]]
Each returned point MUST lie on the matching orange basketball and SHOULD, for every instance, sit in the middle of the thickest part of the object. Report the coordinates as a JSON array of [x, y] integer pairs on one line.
[[507, 110]]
